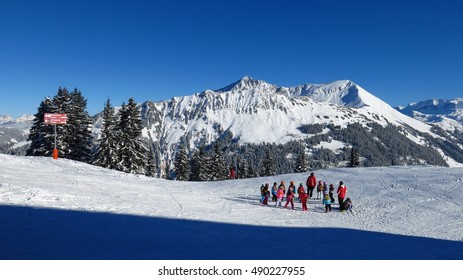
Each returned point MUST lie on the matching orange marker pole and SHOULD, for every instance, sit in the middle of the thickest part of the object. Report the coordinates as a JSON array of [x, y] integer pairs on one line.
[[55, 150]]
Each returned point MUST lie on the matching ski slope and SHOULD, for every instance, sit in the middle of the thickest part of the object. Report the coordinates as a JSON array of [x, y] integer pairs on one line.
[[61, 209]]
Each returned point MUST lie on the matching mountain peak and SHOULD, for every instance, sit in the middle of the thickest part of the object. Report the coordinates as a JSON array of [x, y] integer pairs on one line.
[[247, 83]]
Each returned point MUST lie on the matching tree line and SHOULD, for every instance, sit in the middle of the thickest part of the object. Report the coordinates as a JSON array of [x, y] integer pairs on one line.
[[120, 146]]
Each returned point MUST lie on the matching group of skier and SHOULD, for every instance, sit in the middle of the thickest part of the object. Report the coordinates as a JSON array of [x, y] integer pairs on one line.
[[324, 191]]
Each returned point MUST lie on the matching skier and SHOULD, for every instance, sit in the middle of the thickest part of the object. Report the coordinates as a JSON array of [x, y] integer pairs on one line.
[[289, 197], [292, 187], [311, 183], [280, 195], [282, 185], [262, 196], [266, 194], [331, 189], [319, 189], [300, 191], [274, 191], [304, 196], [232, 174], [348, 205], [342, 190], [325, 188], [327, 203]]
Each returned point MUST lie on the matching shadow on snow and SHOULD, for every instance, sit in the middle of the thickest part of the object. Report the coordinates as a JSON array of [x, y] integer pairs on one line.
[[37, 233]]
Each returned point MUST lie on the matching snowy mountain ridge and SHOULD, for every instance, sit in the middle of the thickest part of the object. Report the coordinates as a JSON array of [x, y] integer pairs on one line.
[[447, 113], [14, 133], [23, 121], [255, 111]]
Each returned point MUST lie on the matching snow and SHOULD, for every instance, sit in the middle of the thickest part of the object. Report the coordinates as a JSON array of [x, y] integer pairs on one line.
[[332, 145], [61, 209]]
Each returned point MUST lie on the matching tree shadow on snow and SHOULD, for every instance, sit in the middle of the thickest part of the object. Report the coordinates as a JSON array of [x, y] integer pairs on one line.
[[37, 233]]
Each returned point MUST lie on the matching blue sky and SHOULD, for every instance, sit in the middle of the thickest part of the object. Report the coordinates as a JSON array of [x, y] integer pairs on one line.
[[400, 51]]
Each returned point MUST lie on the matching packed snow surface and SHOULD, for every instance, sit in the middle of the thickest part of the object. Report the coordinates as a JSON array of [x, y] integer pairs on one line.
[[61, 209]]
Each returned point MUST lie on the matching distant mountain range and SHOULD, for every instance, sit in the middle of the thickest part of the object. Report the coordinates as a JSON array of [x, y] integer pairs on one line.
[[320, 116], [448, 113]]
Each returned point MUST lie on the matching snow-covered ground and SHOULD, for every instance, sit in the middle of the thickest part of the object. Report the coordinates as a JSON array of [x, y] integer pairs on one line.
[[61, 209]]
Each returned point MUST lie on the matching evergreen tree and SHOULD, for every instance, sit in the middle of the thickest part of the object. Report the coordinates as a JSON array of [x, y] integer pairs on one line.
[[251, 172], [105, 155], [131, 152], [41, 135], [166, 168], [182, 164], [354, 158], [218, 167], [242, 171], [78, 127], [269, 165], [301, 165], [73, 139], [62, 102], [199, 166], [151, 167]]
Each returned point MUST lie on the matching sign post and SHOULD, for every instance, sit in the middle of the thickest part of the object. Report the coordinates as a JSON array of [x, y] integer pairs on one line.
[[55, 119]]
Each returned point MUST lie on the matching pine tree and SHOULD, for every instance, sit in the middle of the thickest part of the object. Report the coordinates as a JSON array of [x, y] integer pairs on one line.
[[218, 167], [269, 165], [62, 103], [79, 137], [199, 166], [301, 165], [182, 165], [73, 139], [151, 167], [131, 152], [41, 135], [354, 158], [105, 155], [243, 169]]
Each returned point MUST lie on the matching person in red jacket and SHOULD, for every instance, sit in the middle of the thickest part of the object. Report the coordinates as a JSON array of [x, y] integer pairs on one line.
[[311, 183], [303, 196], [342, 190], [289, 197], [300, 191]]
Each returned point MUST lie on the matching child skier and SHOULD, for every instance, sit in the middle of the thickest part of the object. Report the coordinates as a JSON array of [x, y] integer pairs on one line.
[[274, 192], [304, 196], [289, 197], [319, 190], [266, 194], [348, 205], [292, 187], [331, 189], [280, 195], [327, 203], [262, 193], [300, 191], [282, 185]]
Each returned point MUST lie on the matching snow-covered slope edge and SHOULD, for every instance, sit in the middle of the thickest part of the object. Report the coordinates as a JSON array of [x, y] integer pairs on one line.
[[402, 200], [86, 212]]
